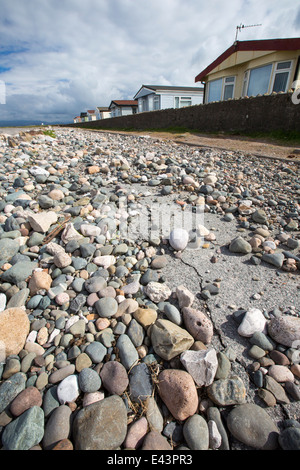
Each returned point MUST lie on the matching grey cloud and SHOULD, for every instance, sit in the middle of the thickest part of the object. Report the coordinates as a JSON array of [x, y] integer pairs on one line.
[[297, 19], [67, 56]]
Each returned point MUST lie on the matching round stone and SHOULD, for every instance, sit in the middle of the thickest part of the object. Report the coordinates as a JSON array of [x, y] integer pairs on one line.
[[95, 284], [127, 351], [251, 424], [82, 361], [89, 380], [101, 426], [285, 330], [68, 390], [29, 397], [198, 324], [178, 391], [253, 320], [195, 431], [136, 434], [226, 392], [240, 245], [145, 316], [281, 373], [179, 239], [172, 313], [58, 426], [114, 377], [26, 431], [14, 328], [289, 439], [155, 441], [106, 307]]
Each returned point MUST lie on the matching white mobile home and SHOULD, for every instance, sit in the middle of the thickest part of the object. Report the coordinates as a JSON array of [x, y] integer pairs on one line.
[[155, 97], [123, 107], [102, 112]]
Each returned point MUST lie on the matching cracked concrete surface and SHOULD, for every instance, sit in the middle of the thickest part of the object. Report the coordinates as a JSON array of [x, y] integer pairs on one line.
[[239, 280]]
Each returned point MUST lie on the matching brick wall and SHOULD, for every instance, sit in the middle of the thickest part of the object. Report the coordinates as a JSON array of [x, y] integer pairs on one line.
[[255, 114]]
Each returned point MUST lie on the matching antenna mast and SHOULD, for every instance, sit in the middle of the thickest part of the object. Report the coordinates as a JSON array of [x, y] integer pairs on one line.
[[242, 26]]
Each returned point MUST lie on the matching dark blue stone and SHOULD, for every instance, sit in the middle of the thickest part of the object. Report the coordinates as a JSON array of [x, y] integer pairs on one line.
[[140, 383]]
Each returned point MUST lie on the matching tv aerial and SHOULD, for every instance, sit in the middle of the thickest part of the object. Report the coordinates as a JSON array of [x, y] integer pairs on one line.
[[242, 26]]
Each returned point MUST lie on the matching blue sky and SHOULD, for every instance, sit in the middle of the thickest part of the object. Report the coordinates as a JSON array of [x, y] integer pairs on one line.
[[61, 57]]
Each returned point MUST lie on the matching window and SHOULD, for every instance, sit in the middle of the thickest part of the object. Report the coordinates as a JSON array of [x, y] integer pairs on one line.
[[221, 89], [245, 83], [144, 104], [259, 80], [228, 88], [156, 103], [281, 77], [215, 90], [183, 101]]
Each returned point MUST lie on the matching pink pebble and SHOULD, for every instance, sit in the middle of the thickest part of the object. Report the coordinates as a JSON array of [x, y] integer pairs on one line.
[[92, 298], [102, 323], [92, 397], [136, 434], [62, 298]]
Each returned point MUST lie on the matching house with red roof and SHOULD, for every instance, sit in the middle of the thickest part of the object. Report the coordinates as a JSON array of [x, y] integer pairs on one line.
[[123, 107], [251, 68], [102, 112], [91, 114]]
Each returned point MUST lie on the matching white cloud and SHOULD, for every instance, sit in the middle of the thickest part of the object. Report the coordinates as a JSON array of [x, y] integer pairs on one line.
[[61, 57]]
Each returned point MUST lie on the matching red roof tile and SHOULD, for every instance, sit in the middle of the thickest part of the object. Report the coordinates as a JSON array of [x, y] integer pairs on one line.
[[125, 102]]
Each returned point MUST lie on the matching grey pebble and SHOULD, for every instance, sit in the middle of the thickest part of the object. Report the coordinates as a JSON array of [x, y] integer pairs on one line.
[[89, 380]]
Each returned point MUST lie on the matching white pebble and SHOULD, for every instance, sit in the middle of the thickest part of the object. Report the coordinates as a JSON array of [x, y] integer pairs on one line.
[[253, 320], [68, 390]]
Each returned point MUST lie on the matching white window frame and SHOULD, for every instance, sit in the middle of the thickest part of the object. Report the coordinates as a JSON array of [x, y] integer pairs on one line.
[[223, 87], [272, 76], [180, 99], [208, 90], [278, 71], [245, 82], [156, 103], [224, 84]]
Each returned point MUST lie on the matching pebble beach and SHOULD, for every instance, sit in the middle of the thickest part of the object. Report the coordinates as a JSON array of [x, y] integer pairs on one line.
[[149, 295]]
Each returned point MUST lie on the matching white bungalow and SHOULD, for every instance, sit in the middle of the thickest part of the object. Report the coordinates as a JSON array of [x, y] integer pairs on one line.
[[91, 114], [102, 112], [123, 107], [155, 97]]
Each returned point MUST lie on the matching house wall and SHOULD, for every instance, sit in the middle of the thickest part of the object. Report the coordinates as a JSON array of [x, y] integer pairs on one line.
[[115, 111], [238, 63], [106, 114], [256, 114], [126, 111], [168, 100]]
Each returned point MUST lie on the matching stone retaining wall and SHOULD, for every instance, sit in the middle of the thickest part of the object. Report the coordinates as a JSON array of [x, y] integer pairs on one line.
[[256, 114]]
